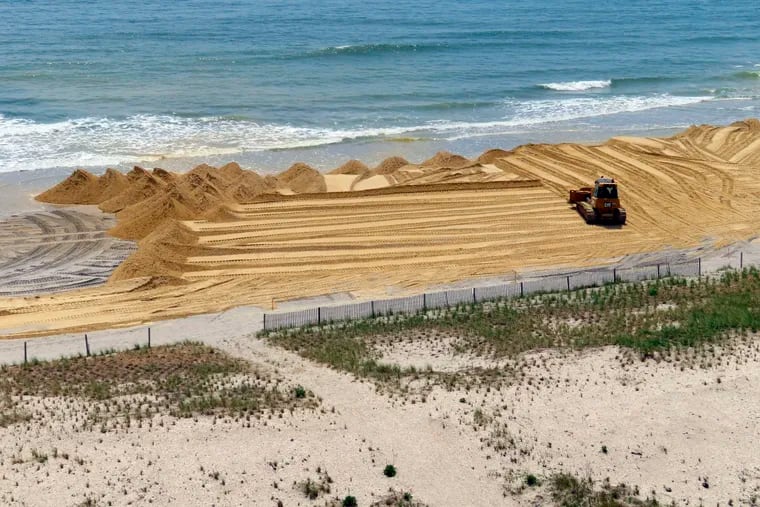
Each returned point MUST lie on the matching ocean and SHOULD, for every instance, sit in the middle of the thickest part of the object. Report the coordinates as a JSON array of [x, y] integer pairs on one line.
[[99, 84]]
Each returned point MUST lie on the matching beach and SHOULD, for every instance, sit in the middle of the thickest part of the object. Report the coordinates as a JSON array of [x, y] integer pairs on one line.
[[195, 195]]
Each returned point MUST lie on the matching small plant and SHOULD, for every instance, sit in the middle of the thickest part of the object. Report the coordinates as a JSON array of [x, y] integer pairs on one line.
[[604, 449], [389, 471], [349, 501], [300, 392], [531, 480]]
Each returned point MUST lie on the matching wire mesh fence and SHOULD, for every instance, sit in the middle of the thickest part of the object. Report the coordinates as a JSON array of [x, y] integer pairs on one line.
[[19, 351], [594, 277]]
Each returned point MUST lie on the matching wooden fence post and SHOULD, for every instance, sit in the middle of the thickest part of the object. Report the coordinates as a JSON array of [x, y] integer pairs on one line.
[[522, 291], [741, 260], [86, 345], [25, 357], [148, 336], [568, 283], [699, 266]]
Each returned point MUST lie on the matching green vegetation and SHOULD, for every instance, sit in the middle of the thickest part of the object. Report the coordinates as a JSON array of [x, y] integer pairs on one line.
[[650, 319], [568, 491], [349, 501], [182, 380], [397, 499], [389, 471]]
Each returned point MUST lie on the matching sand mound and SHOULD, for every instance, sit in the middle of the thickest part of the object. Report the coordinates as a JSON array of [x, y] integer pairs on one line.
[[140, 185], [388, 166], [164, 175], [489, 156], [111, 184], [446, 159], [302, 179], [79, 188], [183, 200], [250, 185], [352, 167], [161, 254]]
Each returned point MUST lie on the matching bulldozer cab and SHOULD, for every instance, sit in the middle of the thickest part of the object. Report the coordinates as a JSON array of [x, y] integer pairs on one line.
[[605, 188]]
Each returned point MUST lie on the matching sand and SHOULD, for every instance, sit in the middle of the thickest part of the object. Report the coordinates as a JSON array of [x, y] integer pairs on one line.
[[415, 226], [666, 431]]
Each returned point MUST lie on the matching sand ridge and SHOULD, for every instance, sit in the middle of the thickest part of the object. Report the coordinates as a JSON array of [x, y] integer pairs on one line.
[[424, 226]]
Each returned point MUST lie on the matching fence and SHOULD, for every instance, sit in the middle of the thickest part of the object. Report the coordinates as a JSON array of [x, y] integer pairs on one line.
[[243, 321], [446, 299]]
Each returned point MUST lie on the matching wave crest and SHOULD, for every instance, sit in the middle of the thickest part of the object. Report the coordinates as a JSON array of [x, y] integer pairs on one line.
[[577, 86], [366, 49]]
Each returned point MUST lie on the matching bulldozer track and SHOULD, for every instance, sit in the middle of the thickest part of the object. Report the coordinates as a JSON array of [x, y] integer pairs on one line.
[[58, 250]]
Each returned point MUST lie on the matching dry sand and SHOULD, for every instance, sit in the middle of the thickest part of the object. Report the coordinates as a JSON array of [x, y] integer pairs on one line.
[[666, 431], [445, 220]]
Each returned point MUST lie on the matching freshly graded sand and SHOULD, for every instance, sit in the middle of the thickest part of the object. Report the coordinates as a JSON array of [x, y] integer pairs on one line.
[[412, 227]]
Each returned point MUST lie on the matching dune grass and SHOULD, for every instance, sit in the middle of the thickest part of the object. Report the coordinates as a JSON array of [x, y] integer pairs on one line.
[[182, 380], [648, 318]]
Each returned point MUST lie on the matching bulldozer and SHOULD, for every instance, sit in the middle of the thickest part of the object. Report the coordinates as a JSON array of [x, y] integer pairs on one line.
[[600, 204]]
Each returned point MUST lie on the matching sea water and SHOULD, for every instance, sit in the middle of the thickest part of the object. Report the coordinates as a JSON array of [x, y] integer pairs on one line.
[[264, 82]]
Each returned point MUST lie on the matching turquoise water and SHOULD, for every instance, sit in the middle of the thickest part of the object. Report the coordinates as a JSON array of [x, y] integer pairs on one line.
[[96, 83]]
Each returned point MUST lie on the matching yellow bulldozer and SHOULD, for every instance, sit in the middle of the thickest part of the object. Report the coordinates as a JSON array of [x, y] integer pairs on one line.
[[600, 204]]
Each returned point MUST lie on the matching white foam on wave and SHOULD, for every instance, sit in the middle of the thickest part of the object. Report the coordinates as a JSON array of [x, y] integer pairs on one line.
[[577, 86], [101, 142], [538, 112], [96, 142]]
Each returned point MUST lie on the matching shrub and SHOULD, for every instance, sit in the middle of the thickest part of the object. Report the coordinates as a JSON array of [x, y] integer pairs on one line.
[[389, 471], [300, 392], [350, 501], [531, 480]]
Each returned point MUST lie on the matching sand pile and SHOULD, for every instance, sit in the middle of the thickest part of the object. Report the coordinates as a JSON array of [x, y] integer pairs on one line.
[[447, 160], [389, 165], [302, 179], [141, 185], [251, 185], [79, 188], [195, 194], [490, 156], [352, 167], [678, 191], [161, 253], [164, 175]]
